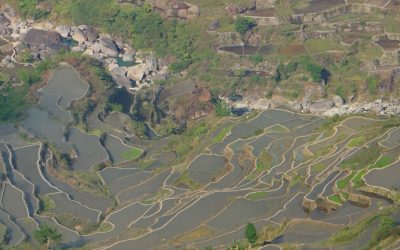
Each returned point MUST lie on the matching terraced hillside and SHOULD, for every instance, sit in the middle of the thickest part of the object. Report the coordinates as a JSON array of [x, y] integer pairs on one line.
[[301, 179], [171, 124]]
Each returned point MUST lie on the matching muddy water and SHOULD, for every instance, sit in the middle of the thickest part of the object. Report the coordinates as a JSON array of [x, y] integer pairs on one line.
[[222, 205], [387, 177], [67, 84], [248, 50], [316, 6]]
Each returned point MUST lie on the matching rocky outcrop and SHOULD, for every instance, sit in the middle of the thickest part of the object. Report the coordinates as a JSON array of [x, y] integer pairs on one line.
[[45, 38], [43, 42], [389, 80], [226, 39], [320, 34], [349, 8], [380, 192], [64, 30], [378, 107], [269, 20], [137, 72], [321, 106], [175, 8], [91, 34], [309, 205], [265, 4], [128, 55], [338, 101], [4, 23], [234, 9], [359, 200], [78, 35], [357, 26], [119, 74], [106, 46], [7, 62], [327, 205]]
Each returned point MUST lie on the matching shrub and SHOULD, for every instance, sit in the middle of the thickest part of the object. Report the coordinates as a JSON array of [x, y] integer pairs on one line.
[[284, 71], [244, 24], [46, 235], [251, 233], [222, 109]]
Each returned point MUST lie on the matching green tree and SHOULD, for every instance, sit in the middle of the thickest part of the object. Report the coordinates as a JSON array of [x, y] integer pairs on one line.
[[222, 109], [386, 227], [251, 233], [244, 24], [47, 235]]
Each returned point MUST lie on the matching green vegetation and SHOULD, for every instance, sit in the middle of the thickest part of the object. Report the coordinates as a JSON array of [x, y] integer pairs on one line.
[[47, 235], [131, 154], [3, 233], [251, 233], [114, 107], [200, 129], [278, 128], [350, 233], [318, 167], [372, 84], [321, 45], [257, 195], [343, 183], [335, 198], [16, 99], [356, 142], [222, 109], [82, 226], [383, 161], [363, 158], [185, 180], [357, 179], [222, 134], [264, 161], [387, 227], [25, 57], [13, 105], [4, 79], [85, 181], [257, 58], [316, 71], [142, 26], [244, 24], [28, 8], [46, 203]]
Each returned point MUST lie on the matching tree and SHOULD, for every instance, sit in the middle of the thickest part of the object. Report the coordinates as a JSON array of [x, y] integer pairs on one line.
[[251, 233], [244, 24], [46, 235], [222, 109]]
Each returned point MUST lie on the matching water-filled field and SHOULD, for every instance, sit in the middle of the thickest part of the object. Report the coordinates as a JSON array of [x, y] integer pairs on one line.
[[279, 169]]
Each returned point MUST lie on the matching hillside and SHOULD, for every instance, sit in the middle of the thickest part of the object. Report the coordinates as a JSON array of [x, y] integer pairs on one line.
[[199, 124]]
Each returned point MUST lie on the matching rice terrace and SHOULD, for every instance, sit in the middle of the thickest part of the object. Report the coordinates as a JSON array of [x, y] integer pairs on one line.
[[199, 125]]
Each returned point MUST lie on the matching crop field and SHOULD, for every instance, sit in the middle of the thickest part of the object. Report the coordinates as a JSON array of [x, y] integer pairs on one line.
[[278, 167], [142, 170]]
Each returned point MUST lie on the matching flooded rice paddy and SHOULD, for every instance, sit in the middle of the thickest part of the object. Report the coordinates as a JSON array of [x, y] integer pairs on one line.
[[278, 167]]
